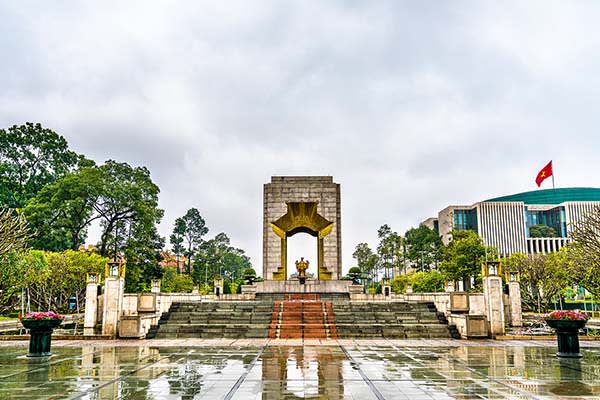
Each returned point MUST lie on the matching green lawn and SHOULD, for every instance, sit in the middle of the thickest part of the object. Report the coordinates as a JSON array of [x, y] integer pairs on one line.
[[3, 318]]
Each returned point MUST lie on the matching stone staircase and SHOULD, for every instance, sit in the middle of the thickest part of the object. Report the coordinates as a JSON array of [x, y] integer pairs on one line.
[[302, 316], [398, 320], [244, 319]]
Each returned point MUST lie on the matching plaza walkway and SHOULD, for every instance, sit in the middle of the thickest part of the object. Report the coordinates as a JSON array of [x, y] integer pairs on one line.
[[291, 369]]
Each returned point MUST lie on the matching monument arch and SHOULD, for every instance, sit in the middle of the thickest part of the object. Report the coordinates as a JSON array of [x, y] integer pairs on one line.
[[308, 204]]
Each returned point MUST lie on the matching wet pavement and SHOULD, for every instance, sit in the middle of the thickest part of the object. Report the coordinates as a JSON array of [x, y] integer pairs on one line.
[[263, 369]]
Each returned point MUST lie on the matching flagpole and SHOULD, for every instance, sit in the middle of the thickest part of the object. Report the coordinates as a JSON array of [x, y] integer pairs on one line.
[[553, 175]]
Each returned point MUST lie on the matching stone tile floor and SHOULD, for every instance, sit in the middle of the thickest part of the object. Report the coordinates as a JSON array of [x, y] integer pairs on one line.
[[291, 369]]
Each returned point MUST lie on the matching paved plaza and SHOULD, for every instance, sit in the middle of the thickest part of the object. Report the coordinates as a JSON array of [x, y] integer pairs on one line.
[[290, 369]]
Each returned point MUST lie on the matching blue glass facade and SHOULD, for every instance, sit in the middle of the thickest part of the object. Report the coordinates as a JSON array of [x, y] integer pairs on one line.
[[465, 219], [554, 218]]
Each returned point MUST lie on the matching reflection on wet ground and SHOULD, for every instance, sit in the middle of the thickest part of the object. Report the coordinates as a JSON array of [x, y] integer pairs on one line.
[[348, 371]]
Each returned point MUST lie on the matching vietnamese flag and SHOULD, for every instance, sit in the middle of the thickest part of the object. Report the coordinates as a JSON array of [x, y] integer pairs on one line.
[[546, 172]]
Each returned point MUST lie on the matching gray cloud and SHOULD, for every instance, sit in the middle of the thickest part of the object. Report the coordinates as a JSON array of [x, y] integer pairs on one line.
[[409, 106]]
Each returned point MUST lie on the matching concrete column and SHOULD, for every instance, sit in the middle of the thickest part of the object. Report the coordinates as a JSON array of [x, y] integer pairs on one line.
[[493, 295], [91, 308], [514, 304], [113, 304]]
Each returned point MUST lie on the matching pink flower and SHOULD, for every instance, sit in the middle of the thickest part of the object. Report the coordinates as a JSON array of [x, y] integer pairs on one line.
[[567, 315], [43, 315]]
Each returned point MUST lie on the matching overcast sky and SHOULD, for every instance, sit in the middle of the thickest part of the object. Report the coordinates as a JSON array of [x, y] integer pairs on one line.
[[410, 106]]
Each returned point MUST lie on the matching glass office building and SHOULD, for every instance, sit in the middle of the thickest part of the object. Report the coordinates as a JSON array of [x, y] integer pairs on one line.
[[505, 222]]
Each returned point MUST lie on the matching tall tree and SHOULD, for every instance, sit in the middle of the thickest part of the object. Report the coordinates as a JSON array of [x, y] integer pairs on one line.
[[366, 260], [217, 257], [464, 255], [31, 157], [584, 253], [142, 252], [192, 228], [423, 247], [62, 211], [176, 240], [129, 197], [390, 249], [542, 277]]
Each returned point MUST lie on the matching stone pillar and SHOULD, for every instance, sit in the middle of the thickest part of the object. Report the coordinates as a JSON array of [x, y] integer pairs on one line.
[[514, 303], [113, 304], [219, 284], [155, 286], [493, 295], [91, 307]]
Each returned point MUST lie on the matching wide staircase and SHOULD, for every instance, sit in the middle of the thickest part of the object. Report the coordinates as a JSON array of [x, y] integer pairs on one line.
[[302, 316], [243, 319], [398, 320]]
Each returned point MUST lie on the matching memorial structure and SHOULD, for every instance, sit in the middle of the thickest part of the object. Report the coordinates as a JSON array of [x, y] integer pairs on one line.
[[307, 204]]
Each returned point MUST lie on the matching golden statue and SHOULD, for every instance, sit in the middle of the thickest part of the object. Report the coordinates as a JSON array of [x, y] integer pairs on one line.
[[301, 267]]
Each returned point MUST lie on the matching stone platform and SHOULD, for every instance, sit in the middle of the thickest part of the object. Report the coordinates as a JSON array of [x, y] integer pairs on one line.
[[310, 286]]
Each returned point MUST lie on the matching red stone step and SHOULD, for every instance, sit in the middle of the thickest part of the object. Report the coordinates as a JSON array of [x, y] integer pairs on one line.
[[302, 315]]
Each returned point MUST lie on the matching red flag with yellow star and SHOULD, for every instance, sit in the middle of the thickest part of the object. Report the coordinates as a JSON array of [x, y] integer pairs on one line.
[[546, 172]]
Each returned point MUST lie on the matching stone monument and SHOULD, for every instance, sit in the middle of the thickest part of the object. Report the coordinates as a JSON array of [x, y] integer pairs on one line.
[[309, 204]]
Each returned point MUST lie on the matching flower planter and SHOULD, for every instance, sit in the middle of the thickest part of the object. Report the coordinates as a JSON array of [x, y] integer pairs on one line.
[[567, 335], [41, 335]]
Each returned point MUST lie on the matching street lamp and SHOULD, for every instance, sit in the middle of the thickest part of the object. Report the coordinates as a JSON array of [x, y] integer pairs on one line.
[[491, 268]]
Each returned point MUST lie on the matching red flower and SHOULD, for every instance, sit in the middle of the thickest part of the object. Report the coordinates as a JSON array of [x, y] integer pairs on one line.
[[43, 315], [567, 315]]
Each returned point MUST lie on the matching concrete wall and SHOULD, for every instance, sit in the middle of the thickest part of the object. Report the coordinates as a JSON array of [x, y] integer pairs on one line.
[[136, 323]]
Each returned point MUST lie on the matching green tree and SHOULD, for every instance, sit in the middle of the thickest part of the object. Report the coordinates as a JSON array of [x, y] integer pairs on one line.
[[250, 276], [464, 256], [355, 275], [176, 239], [400, 282], [543, 277], [217, 257], [62, 211], [30, 158], [142, 251], [191, 227], [583, 254], [390, 250], [68, 270], [234, 263], [128, 199], [47, 278], [366, 260], [173, 282], [428, 282], [226, 287], [541, 231], [423, 247]]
